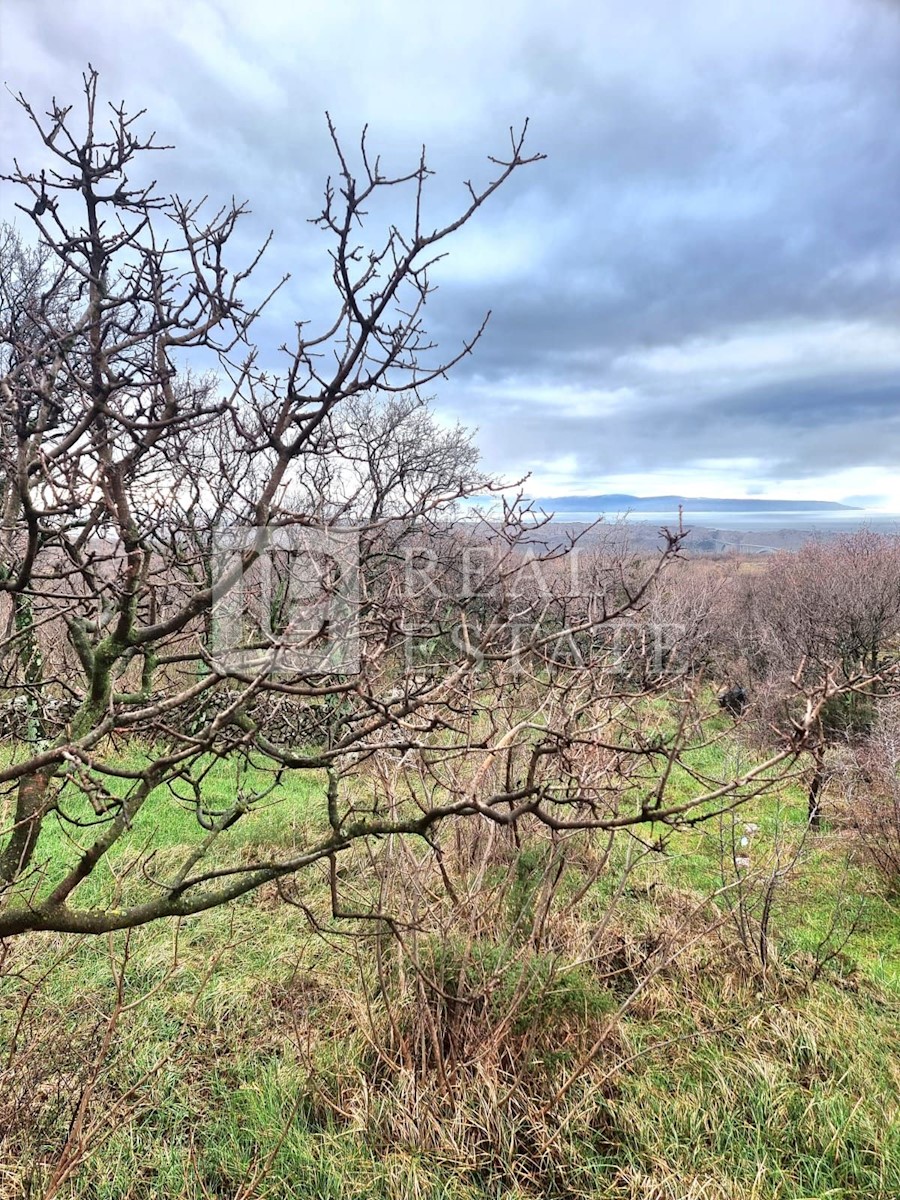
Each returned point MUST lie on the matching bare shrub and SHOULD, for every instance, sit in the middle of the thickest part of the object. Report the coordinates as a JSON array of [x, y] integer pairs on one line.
[[868, 782], [494, 974]]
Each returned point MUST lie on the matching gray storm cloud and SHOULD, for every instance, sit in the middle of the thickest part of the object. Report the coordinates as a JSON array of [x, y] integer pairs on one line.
[[705, 270]]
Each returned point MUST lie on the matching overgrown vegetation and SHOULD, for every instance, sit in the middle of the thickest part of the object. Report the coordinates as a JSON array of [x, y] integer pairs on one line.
[[455, 880], [551, 1032]]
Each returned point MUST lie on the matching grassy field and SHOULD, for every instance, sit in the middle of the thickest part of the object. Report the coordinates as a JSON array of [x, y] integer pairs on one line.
[[637, 1048]]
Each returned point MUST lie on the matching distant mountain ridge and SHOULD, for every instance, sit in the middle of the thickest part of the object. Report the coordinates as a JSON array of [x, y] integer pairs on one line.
[[618, 503]]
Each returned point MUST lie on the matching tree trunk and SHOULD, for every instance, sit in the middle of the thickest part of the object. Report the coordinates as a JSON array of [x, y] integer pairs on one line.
[[815, 788], [29, 813]]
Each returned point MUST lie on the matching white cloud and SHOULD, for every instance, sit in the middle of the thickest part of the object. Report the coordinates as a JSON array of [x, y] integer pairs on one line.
[[794, 348], [710, 244]]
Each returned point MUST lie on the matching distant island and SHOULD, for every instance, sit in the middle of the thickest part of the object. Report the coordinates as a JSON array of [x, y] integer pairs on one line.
[[617, 503]]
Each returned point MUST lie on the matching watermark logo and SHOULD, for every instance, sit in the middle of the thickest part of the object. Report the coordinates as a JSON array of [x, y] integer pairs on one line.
[[286, 600]]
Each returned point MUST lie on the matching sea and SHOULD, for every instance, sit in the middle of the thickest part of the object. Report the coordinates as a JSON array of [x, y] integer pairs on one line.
[[834, 520]]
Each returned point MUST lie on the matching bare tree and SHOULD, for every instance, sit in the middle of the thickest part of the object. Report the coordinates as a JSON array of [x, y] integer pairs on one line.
[[139, 418], [836, 603], [869, 776], [833, 609]]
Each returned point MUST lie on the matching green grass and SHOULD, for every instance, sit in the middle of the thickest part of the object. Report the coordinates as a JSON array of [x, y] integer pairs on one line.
[[732, 1086], [167, 824]]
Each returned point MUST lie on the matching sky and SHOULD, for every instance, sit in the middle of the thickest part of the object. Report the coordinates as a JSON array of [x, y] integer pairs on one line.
[[698, 291]]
